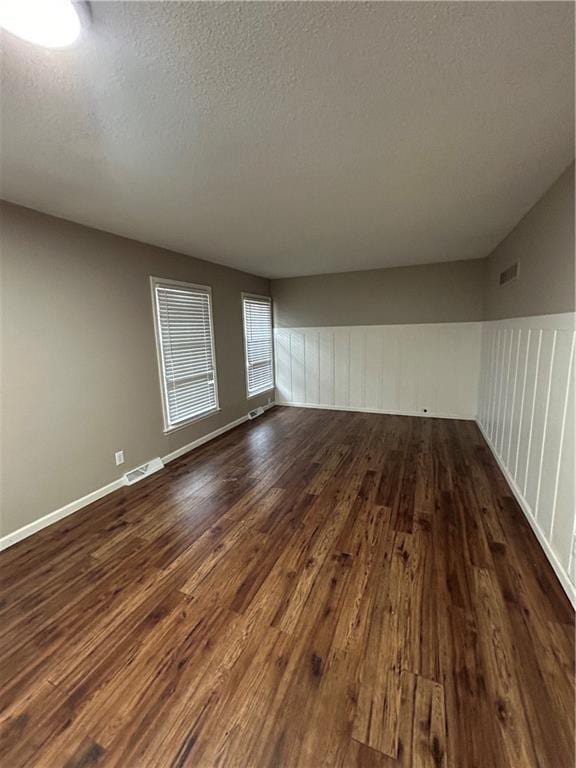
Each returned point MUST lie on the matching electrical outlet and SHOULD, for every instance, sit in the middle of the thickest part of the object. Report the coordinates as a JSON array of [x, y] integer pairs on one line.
[[119, 456]]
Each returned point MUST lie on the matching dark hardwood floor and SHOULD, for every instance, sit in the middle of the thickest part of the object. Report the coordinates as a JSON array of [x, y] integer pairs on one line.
[[311, 589]]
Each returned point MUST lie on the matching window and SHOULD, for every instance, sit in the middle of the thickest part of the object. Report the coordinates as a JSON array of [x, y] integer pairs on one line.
[[257, 312], [185, 342]]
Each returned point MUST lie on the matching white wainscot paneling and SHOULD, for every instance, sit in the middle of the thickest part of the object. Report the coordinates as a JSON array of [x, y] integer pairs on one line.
[[526, 412], [413, 369]]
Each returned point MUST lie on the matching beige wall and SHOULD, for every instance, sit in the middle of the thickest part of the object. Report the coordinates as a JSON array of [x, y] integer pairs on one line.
[[429, 293], [79, 371], [543, 243]]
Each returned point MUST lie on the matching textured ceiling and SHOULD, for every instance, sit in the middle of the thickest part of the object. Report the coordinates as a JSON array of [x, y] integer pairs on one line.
[[296, 138]]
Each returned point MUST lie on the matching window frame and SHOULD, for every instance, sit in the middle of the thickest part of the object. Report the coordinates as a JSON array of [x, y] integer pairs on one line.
[[160, 358], [267, 299]]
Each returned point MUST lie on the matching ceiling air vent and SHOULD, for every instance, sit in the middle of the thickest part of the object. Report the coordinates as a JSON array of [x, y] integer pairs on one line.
[[509, 274], [141, 472]]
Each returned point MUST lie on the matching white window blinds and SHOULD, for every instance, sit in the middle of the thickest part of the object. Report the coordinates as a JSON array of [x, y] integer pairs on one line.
[[185, 338], [258, 343]]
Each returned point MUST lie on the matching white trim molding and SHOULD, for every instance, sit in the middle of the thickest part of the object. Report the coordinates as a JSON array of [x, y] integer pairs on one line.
[[105, 490], [58, 514], [319, 406], [206, 438], [560, 571], [526, 412]]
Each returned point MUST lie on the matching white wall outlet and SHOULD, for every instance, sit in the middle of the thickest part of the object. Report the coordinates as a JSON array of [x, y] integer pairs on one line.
[[119, 456]]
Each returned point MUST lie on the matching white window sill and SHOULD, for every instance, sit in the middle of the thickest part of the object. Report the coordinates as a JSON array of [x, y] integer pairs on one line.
[[262, 392], [189, 422]]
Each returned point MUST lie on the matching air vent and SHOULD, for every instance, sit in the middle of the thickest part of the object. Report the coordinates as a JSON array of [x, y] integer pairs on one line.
[[141, 472], [255, 413], [509, 274]]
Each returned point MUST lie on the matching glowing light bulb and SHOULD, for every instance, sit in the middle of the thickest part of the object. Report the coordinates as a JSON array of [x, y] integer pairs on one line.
[[51, 23]]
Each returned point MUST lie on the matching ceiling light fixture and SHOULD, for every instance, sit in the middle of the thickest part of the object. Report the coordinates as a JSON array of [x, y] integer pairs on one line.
[[51, 23]]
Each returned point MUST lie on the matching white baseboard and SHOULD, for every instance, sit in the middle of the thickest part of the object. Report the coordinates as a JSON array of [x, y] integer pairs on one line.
[[206, 438], [351, 409], [58, 514], [560, 572], [74, 506]]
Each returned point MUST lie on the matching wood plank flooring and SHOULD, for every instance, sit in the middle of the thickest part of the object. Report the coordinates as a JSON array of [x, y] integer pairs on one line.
[[311, 589]]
